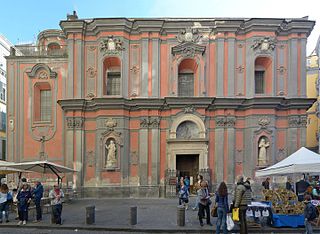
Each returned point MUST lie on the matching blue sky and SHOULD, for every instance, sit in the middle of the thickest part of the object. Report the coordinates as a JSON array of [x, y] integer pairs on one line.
[[22, 23]]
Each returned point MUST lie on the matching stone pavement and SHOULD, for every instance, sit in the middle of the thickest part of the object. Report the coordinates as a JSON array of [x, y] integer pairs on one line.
[[112, 215]]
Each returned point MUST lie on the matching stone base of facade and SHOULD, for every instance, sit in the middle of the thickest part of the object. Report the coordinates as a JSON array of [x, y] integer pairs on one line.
[[124, 191]]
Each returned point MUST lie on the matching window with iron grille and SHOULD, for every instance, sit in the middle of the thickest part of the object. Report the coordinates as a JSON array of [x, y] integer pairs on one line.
[[45, 105], [259, 82], [186, 84], [113, 83]]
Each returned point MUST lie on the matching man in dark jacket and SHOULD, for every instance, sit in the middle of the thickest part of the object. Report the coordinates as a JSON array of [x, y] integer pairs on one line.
[[301, 187], [309, 214], [37, 194], [242, 198]]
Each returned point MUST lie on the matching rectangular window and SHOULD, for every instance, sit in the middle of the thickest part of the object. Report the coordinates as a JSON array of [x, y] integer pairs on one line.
[[259, 82], [186, 84], [45, 105], [113, 83], [4, 94]]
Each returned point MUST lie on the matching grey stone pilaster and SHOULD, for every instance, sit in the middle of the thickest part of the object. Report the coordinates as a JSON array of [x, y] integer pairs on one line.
[[302, 65], [10, 112], [280, 75], [240, 70], [143, 156], [144, 67], [220, 68], [155, 68], [125, 156], [70, 78], [69, 146], [80, 69], [303, 136], [218, 154], [292, 70], [249, 154], [231, 154], [155, 149], [80, 150], [231, 66], [250, 59], [125, 69], [292, 140]]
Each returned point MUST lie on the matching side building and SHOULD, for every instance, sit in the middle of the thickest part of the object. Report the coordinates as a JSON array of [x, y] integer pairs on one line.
[[134, 103], [313, 72], [4, 51]]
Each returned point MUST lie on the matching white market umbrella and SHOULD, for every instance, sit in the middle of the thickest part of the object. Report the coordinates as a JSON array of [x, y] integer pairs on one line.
[[301, 161], [45, 167]]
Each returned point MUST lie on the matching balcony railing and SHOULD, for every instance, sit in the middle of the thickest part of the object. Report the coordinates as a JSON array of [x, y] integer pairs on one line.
[[30, 50]]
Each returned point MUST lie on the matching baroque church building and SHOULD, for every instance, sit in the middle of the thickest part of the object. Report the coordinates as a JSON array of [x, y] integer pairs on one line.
[[132, 104]]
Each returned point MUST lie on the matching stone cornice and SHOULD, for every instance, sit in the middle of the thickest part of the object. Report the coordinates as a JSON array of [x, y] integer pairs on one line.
[[280, 26], [167, 103]]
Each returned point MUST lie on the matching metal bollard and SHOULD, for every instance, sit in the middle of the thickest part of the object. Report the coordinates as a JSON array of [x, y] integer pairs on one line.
[[181, 215], [90, 217], [133, 215]]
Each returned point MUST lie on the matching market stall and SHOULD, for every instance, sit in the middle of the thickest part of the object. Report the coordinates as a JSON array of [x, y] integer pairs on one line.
[[287, 211]]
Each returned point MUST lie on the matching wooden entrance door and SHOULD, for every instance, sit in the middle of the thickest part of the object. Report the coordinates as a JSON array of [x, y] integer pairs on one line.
[[188, 165]]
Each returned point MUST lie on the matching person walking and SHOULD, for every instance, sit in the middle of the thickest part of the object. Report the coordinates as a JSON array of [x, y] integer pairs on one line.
[[223, 208], [197, 187], [24, 198], [241, 200], [4, 205], [204, 203], [310, 214], [56, 195], [184, 195], [37, 194]]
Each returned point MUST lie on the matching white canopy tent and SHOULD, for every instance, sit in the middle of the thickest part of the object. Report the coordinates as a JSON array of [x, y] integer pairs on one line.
[[301, 161]]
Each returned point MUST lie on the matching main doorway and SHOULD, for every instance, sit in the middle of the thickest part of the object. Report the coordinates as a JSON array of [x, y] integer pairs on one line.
[[188, 165]]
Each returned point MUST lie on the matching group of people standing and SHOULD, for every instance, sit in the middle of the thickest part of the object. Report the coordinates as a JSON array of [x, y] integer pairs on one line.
[[23, 195], [242, 197]]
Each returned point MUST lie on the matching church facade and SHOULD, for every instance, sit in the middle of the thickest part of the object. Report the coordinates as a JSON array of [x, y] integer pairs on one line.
[[132, 104]]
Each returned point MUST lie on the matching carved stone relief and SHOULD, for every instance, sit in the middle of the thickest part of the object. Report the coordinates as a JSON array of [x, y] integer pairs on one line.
[[240, 68], [189, 109], [111, 46], [297, 121], [75, 123], [264, 122], [91, 72], [110, 124], [187, 130], [150, 122], [189, 35], [225, 121], [266, 44], [281, 70], [42, 75]]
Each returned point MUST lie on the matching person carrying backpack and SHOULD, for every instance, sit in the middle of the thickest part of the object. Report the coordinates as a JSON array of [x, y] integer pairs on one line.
[[310, 214]]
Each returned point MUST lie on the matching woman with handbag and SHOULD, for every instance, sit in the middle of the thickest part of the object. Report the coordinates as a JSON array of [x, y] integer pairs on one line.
[[204, 202], [223, 207]]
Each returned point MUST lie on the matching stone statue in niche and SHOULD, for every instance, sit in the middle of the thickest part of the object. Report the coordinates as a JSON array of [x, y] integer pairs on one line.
[[111, 151], [262, 156]]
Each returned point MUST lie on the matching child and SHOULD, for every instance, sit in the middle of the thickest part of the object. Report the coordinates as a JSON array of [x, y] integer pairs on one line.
[[24, 198]]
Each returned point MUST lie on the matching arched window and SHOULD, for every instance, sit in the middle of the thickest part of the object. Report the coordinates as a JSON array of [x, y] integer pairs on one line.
[[42, 102], [54, 48], [186, 74], [112, 76], [187, 130], [262, 75]]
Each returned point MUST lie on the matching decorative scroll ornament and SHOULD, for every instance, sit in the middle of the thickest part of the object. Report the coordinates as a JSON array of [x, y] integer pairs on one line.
[[189, 35], [43, 75], [135, 69], [91, 72], [240, 68], [281, 70], [189, 109], [264, 44], [111, 46], [188, 49]]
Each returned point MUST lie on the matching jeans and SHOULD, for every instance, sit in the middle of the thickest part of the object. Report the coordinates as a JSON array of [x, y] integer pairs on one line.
[[56, 211], [222, 220], [203, 208], [38, 208], [196, 204], [4, 207], [243, 220], [308, 227]]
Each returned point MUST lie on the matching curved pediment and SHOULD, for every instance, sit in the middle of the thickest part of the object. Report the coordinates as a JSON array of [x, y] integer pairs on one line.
[[188, 49]]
